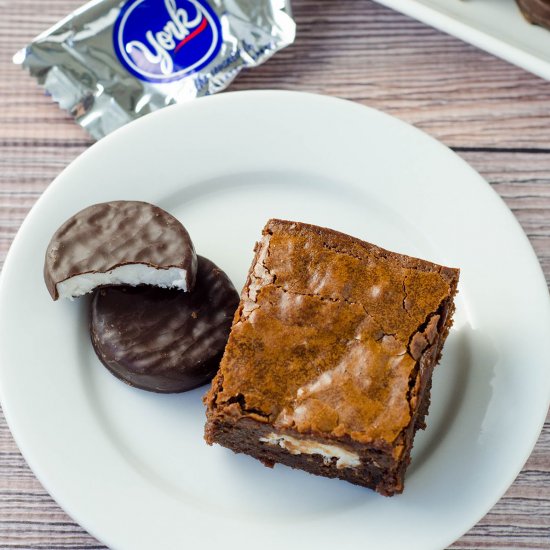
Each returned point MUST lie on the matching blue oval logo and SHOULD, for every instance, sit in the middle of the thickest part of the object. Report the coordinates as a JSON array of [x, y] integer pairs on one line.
[[165, 41]]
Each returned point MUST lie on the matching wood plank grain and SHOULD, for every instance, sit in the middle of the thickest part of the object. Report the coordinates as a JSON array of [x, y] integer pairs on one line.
[[496, 116]]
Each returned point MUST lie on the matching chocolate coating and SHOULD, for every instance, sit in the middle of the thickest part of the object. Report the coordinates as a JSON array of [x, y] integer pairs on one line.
[[164, 340], [536, 12], [108, 235]]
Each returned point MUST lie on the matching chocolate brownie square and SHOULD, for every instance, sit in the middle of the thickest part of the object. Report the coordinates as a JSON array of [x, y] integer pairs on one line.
[[329, 362]]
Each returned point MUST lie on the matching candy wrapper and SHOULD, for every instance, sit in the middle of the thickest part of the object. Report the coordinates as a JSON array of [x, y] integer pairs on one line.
[[112, 61]]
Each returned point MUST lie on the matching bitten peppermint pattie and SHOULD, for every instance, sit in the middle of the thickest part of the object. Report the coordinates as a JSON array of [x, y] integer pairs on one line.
[[119, 242], [165, 340], [329, 362]]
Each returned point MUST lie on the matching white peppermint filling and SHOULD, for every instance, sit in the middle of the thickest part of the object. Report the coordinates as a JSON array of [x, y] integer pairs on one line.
[[129, 274], [344, 458]]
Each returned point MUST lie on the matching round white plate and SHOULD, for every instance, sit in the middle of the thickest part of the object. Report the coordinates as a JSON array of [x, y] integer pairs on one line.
[[132, 467]]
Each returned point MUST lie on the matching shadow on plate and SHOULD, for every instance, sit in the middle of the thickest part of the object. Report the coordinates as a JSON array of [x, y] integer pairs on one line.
[[461, 384]]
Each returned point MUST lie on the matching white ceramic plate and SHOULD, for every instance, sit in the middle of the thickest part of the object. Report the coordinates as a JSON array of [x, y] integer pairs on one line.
[[132, 467], [496, 26]]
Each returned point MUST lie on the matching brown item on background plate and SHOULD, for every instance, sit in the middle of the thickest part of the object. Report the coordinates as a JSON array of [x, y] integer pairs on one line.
[[329, 362], [536, 12]]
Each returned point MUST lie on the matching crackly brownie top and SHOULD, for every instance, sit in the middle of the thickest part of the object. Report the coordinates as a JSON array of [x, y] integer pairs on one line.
[[328, 334]]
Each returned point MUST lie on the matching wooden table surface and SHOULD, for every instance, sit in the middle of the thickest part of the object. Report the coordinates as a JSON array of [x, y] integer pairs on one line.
[[494, 115]]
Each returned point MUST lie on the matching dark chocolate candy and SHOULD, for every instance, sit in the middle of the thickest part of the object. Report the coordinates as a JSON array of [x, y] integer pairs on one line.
[[536, 11], [164, 340], [115, 234]]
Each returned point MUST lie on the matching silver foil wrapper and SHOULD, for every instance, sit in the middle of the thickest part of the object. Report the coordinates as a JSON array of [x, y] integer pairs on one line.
[[113, 61]]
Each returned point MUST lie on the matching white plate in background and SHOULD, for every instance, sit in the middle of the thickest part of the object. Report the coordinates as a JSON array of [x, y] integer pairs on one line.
[[132, 467], [496, 26]]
